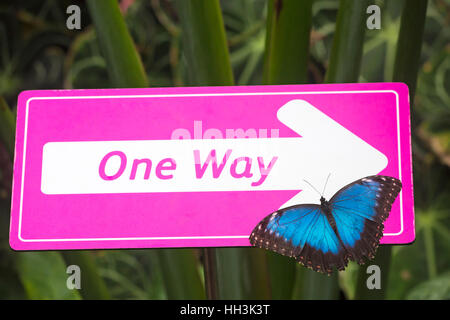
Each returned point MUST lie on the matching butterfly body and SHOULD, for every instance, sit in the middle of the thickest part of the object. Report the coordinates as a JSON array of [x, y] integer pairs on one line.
[[326, 208], [347, 227]]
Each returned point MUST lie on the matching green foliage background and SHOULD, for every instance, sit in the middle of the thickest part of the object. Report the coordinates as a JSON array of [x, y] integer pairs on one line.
[[140, 43]]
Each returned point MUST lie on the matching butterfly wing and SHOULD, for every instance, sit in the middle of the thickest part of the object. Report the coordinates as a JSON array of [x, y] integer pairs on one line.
[[360, 209], [302, 232]]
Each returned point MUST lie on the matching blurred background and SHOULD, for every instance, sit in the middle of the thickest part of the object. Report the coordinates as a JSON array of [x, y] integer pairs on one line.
[[160, 43]]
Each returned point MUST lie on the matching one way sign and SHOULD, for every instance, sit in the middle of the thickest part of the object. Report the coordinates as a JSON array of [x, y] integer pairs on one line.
[[186, 167]]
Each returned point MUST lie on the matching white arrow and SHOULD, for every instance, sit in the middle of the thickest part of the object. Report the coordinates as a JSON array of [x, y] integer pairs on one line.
[[324, 148]]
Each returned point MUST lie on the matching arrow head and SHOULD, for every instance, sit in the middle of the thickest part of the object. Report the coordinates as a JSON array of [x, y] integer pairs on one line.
[[328, 149]]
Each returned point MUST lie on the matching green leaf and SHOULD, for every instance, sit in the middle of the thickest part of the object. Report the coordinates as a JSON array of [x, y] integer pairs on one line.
[[180, 273], [92, 286], [124, 64], [311, 285], [7, 127], [282, 272], [287, 41], [242, 273], [435, 289], [346, 53], [409, 44], [43, 275], [204, 42], [383, 260]]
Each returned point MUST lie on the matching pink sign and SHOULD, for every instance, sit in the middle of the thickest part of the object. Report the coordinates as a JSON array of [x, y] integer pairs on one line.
[[198, 167]]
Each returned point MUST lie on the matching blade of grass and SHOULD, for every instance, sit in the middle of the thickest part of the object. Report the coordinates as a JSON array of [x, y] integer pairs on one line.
[[124, 64], [205, 42], [346, 53], [7, 127], [287, 41], [43, 275], [286, 62], [92, 285], [126, 70], [344, 65], [383, 260], [181, 279], [406, 68], [409, 44], [241, 272], [311, 285]]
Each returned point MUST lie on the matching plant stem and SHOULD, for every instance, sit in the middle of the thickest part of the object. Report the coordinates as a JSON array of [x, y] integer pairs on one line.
[[210, 270]]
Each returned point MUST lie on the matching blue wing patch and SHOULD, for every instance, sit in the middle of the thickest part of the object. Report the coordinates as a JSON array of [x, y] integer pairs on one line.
[[302, 232], [348, 227], [360, 209]]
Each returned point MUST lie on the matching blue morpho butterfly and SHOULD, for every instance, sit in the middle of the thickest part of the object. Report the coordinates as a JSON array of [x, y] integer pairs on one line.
[[347, 227]]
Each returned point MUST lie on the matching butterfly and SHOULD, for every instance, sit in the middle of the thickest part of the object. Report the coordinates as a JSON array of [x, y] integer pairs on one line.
[[326, 236]]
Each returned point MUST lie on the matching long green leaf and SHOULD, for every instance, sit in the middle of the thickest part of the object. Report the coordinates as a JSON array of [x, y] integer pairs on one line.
[[287, 41], [346, 53], [181, 279], [241, 272], [409, 44], [205, 42], [43, 275], [124, 64], [126, 70], [345, 61], [286, 62], [92, 285], [311, 285], [383, 260], [406, 68], [7, 127]]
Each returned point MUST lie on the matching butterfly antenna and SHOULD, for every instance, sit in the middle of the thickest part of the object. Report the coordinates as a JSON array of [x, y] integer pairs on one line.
[[324, 187], [312, 187]]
